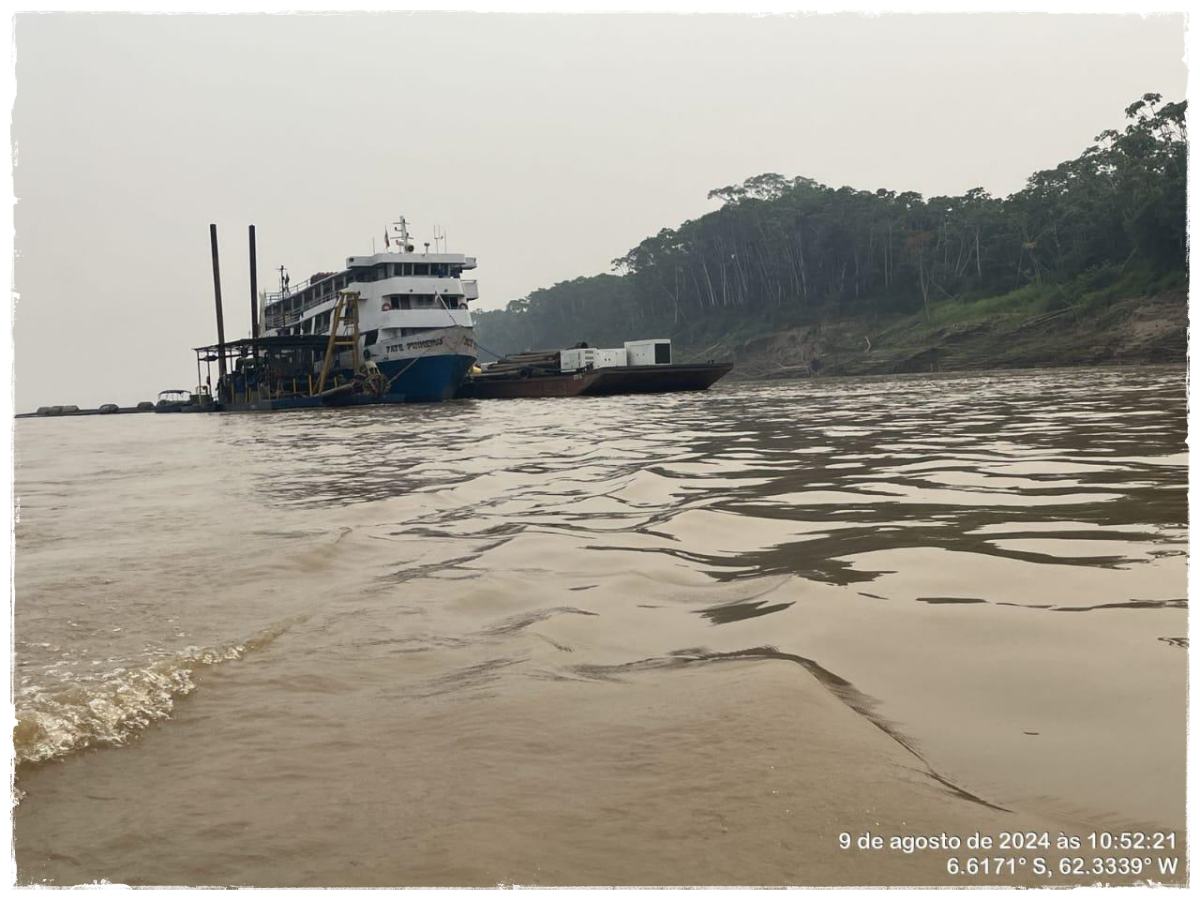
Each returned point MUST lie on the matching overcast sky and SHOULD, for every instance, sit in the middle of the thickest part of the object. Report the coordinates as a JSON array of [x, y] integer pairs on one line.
[[543, 145]]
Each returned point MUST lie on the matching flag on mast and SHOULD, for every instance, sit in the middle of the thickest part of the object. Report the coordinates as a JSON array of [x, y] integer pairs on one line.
[[386, 242]]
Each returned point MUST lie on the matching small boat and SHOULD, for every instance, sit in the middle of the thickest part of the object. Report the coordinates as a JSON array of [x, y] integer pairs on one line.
[[178, 400], [172, 400], [640, 367]]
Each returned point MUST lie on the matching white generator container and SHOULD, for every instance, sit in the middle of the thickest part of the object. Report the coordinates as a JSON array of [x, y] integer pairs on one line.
[[648, 353], [577, 358], [608, 359]]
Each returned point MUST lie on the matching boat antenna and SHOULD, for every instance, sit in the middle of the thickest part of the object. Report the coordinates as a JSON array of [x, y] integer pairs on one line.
[[401, 227]]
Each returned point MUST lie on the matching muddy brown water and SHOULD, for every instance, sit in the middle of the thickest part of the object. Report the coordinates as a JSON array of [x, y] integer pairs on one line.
[[685, 639]]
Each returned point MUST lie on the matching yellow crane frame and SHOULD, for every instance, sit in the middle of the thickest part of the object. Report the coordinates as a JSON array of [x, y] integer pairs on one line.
[[345, 313]]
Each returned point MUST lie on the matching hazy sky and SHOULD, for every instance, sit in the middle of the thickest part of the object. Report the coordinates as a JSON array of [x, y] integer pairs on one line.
[[543, 145]]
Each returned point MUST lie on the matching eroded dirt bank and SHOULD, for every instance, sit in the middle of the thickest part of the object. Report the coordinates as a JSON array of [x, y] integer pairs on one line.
[[1130, 331]]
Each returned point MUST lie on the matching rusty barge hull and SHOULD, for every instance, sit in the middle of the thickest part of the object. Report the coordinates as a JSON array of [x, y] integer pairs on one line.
[[657, 379], [597, 382]]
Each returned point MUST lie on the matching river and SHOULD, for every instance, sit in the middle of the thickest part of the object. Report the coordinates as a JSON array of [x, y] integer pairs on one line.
[[683, 639]]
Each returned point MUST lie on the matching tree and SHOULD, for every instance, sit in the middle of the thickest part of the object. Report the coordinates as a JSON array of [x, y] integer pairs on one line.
[[782, 249]]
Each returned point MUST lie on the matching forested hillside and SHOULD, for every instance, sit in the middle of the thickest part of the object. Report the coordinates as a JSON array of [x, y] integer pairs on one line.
[[786, 254]]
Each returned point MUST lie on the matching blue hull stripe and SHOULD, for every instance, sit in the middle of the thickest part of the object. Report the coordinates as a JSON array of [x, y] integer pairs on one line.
[[424, 379]]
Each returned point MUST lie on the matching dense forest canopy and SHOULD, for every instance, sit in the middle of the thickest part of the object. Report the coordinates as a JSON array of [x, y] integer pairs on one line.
[[783, 250]]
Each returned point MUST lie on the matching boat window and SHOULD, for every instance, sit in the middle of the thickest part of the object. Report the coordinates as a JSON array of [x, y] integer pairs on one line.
[[420, 268], [456, 271], [371, 337], [662, 354]]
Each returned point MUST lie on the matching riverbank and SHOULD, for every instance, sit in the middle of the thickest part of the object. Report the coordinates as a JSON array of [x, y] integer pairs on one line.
[[966, 337]]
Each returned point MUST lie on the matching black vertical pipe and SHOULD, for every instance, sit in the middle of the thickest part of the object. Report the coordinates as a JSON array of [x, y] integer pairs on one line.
[[212, 236], [253, 296]]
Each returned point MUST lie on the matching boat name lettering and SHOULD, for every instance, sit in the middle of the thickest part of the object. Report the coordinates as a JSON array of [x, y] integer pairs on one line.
[[430, 342], [416, 345]]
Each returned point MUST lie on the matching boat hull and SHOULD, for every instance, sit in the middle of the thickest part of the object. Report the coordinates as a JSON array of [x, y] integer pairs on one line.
[[426, 379], [506, 388], [598, 382], [657, 379]]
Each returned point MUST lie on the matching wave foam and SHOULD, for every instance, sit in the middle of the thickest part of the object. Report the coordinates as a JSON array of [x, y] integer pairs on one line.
[[112, 708]]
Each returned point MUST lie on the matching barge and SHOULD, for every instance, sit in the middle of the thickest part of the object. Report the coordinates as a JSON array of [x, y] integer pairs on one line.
[[640, 367]]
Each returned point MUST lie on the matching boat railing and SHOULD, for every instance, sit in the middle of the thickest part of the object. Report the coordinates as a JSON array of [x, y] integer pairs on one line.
[[292, 291], [289, 316]]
